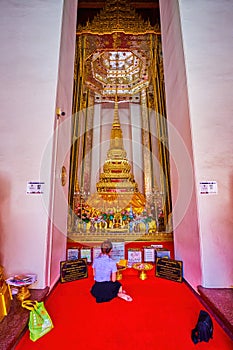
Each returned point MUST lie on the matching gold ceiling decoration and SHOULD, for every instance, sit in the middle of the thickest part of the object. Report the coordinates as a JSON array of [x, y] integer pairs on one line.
[[124, 72], [118, 16], [117, 51]]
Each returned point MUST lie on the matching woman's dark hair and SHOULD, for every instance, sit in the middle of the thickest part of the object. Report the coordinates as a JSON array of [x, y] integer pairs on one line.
[[106, 247]]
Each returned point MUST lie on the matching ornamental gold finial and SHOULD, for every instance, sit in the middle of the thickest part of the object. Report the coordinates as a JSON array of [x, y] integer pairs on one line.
[[116, 121], [116, 141]]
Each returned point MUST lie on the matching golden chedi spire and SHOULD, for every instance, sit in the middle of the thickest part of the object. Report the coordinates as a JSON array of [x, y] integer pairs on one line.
[[116, 188], [116, 141]]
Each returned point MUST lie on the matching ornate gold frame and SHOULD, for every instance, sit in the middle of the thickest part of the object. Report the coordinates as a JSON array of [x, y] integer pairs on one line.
[[116, 25]]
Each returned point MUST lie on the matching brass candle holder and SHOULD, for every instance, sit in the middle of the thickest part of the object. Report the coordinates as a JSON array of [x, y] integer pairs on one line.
[[119, 272], [121, 266]]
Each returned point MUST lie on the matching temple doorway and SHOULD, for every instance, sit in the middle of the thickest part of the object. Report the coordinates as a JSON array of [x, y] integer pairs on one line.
[[119, 183]]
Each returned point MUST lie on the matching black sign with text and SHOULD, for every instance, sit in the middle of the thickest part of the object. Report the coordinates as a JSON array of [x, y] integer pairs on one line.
[[73, 270], [169, 269]]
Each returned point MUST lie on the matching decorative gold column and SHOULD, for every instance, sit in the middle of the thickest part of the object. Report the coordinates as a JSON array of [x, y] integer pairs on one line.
[[77, 120], [88, 140], [161, 121], [146, 143]]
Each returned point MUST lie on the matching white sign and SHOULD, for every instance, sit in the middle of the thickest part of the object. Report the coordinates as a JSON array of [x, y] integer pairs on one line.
[[149, 254], [134, 256], [208, 187], [85, 253], [35, 187], [72, 254], [118, 251]]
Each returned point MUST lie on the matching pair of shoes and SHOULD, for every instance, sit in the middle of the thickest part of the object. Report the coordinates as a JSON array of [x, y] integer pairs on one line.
[[124, 296]]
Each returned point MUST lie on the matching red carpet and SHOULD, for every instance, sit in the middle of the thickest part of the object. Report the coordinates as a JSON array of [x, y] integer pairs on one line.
[[160, 317]]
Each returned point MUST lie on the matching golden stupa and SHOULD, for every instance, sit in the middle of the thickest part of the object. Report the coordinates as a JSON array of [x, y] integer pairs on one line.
[[116, 189]]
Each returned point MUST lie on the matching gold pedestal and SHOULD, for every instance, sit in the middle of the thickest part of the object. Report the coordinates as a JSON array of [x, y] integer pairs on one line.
[[22, 282], [142, 275], [23, 293], [142, 268]]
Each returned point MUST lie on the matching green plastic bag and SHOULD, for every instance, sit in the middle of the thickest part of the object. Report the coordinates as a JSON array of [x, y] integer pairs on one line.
[[39, 322]]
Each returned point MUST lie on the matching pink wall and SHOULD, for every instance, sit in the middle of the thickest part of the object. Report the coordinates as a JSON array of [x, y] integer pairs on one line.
[[198, 85], [62, 143], [29, 65], [185, 221]]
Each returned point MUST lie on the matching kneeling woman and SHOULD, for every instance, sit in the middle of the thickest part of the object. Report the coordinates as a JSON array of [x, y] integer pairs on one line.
[[106, 286]]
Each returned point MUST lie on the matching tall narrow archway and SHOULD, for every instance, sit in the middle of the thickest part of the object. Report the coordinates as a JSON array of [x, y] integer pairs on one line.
[[119, 66]]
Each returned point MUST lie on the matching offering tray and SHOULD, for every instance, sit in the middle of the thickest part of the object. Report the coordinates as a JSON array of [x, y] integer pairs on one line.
[[22, 282], [142, 268]]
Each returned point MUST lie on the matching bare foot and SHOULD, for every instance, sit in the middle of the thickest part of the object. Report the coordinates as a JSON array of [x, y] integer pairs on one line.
[[124, 296]]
